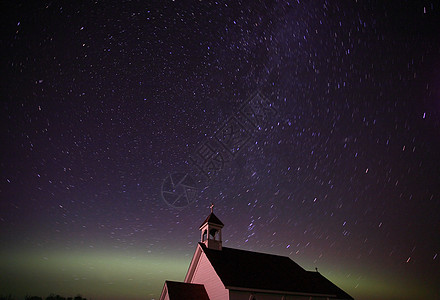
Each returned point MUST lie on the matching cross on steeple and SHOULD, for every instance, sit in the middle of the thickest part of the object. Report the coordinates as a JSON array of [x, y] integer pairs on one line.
[[212, 207]]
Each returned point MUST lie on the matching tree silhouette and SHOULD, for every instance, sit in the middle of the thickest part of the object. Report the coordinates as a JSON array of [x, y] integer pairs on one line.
[[55, 297]]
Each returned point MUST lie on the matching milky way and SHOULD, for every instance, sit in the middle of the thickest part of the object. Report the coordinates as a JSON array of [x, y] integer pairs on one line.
[[103, 101]]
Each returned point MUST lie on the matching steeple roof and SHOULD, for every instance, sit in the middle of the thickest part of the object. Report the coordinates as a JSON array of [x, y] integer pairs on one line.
[[212, 219]]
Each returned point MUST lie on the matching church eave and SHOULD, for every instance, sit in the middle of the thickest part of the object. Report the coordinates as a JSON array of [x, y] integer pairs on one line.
[[243, 289]]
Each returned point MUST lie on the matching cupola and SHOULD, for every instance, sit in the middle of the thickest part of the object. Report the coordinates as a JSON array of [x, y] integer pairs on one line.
[[211, 231]]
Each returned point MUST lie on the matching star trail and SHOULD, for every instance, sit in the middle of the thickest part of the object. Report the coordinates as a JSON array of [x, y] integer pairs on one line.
[[108, 105]]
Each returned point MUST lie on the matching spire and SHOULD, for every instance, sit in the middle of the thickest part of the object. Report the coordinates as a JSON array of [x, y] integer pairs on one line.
[[211, 231]]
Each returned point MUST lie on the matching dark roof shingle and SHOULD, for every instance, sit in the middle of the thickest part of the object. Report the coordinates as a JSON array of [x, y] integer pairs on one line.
[[186, 291], [253, 270]]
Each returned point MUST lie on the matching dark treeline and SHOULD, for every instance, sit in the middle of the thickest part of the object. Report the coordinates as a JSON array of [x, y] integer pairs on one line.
[[50, 297]]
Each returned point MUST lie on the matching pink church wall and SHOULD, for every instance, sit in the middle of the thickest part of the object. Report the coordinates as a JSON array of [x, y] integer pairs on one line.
[[205, 274]]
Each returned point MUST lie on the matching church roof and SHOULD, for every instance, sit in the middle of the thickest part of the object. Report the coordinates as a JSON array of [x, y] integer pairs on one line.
[[213, 220], [252, 270], [186, 291]]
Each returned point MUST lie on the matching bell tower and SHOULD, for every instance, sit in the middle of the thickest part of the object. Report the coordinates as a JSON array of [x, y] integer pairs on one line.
[[211, 230]]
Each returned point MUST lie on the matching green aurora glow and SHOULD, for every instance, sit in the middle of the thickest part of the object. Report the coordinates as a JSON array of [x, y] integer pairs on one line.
[[121, 275]]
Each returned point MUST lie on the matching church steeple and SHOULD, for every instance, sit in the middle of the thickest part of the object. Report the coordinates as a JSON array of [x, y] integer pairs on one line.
[[211, 230]]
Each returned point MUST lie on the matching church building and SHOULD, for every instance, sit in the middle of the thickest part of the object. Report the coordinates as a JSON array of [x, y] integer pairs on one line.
[[221, 273]]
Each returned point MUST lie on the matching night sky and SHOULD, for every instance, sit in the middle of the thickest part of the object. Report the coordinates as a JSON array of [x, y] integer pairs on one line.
[[103, 103]]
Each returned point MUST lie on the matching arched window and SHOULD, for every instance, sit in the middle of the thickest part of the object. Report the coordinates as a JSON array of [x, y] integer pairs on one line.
[[212, 234], [205, 236]]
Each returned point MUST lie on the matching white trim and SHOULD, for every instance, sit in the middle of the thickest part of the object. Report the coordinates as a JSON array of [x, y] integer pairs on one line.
[[232, 288], [164, 291], [194, 264]]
